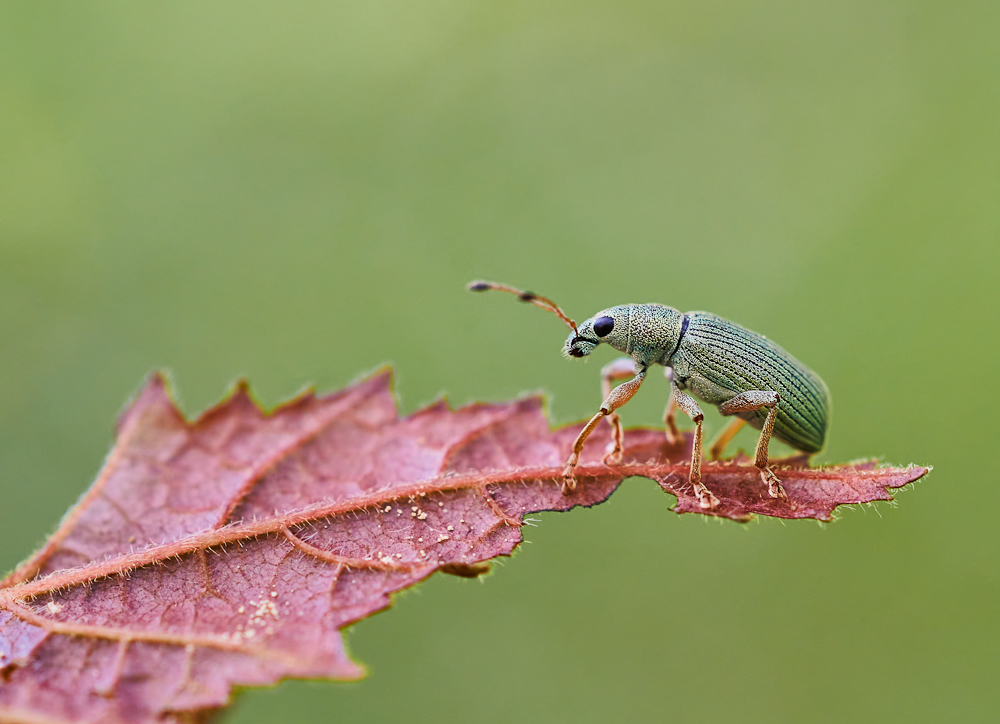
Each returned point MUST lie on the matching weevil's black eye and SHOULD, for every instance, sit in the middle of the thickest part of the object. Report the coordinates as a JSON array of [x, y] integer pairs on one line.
[[603, 326]]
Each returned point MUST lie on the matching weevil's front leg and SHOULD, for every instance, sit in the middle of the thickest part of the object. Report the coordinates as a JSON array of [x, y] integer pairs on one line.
[[618, 397], [748, 402], [725, 437], [688, 404], [669, 417], [620, 369]]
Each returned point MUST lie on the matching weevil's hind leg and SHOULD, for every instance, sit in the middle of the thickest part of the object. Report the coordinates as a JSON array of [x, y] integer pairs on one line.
[[669, 417], [619, 369], [725, 437], [687, 403], [748, 402], [618, 397]]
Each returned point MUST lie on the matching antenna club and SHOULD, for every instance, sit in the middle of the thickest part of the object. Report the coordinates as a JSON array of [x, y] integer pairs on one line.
[[530, 297]]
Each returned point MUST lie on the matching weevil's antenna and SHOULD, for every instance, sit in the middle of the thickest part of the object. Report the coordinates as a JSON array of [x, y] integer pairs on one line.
[[538, 301]]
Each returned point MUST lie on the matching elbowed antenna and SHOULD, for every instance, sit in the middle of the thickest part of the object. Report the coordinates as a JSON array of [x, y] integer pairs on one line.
[[538, 301]]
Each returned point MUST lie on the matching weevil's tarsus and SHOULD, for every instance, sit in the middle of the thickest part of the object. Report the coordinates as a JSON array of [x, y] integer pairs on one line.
[[618, 397], [530, 297], [774, 487], [752, 401], [687, 403], [568, 478], [619, 369], [725, 437]]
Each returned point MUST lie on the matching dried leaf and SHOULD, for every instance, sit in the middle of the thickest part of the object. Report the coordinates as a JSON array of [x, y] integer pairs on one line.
[[232, 550]]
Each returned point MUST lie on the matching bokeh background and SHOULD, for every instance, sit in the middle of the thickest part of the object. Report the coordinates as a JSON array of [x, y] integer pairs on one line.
[[297, 192]]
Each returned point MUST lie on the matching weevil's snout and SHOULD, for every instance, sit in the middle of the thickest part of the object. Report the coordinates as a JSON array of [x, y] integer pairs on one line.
[[599, 328], [577, 346], [584, 340]]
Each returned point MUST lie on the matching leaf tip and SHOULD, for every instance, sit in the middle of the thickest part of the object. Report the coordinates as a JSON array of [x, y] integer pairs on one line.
[[381, 379], [384, 374], [240, 393], [157, 390]]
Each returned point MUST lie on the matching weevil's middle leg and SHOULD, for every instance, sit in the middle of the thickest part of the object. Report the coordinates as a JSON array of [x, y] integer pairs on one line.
[[618, 397], [725, 437], [669, 417], [748, 402], [687, 403], [619, 369]]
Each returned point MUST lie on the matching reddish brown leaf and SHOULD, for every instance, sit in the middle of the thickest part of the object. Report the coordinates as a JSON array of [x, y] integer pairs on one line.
[[232, 550]]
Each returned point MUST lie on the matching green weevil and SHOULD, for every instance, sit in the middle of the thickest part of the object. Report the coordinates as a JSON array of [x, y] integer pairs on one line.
[[720, 362]]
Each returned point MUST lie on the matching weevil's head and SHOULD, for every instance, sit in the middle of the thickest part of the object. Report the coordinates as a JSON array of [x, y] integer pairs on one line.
[[644, 331], [610, 326]]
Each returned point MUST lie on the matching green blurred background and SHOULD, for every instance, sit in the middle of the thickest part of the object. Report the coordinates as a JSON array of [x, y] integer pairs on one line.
[[297, 192]]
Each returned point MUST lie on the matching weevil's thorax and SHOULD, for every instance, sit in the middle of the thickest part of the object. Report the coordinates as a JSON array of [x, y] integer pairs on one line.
[[648, 333], [653, 333]]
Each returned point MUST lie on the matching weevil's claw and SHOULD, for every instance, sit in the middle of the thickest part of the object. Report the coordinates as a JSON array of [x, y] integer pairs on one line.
[[614, 455], [706, 500], [774, 487], [569, 480]]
